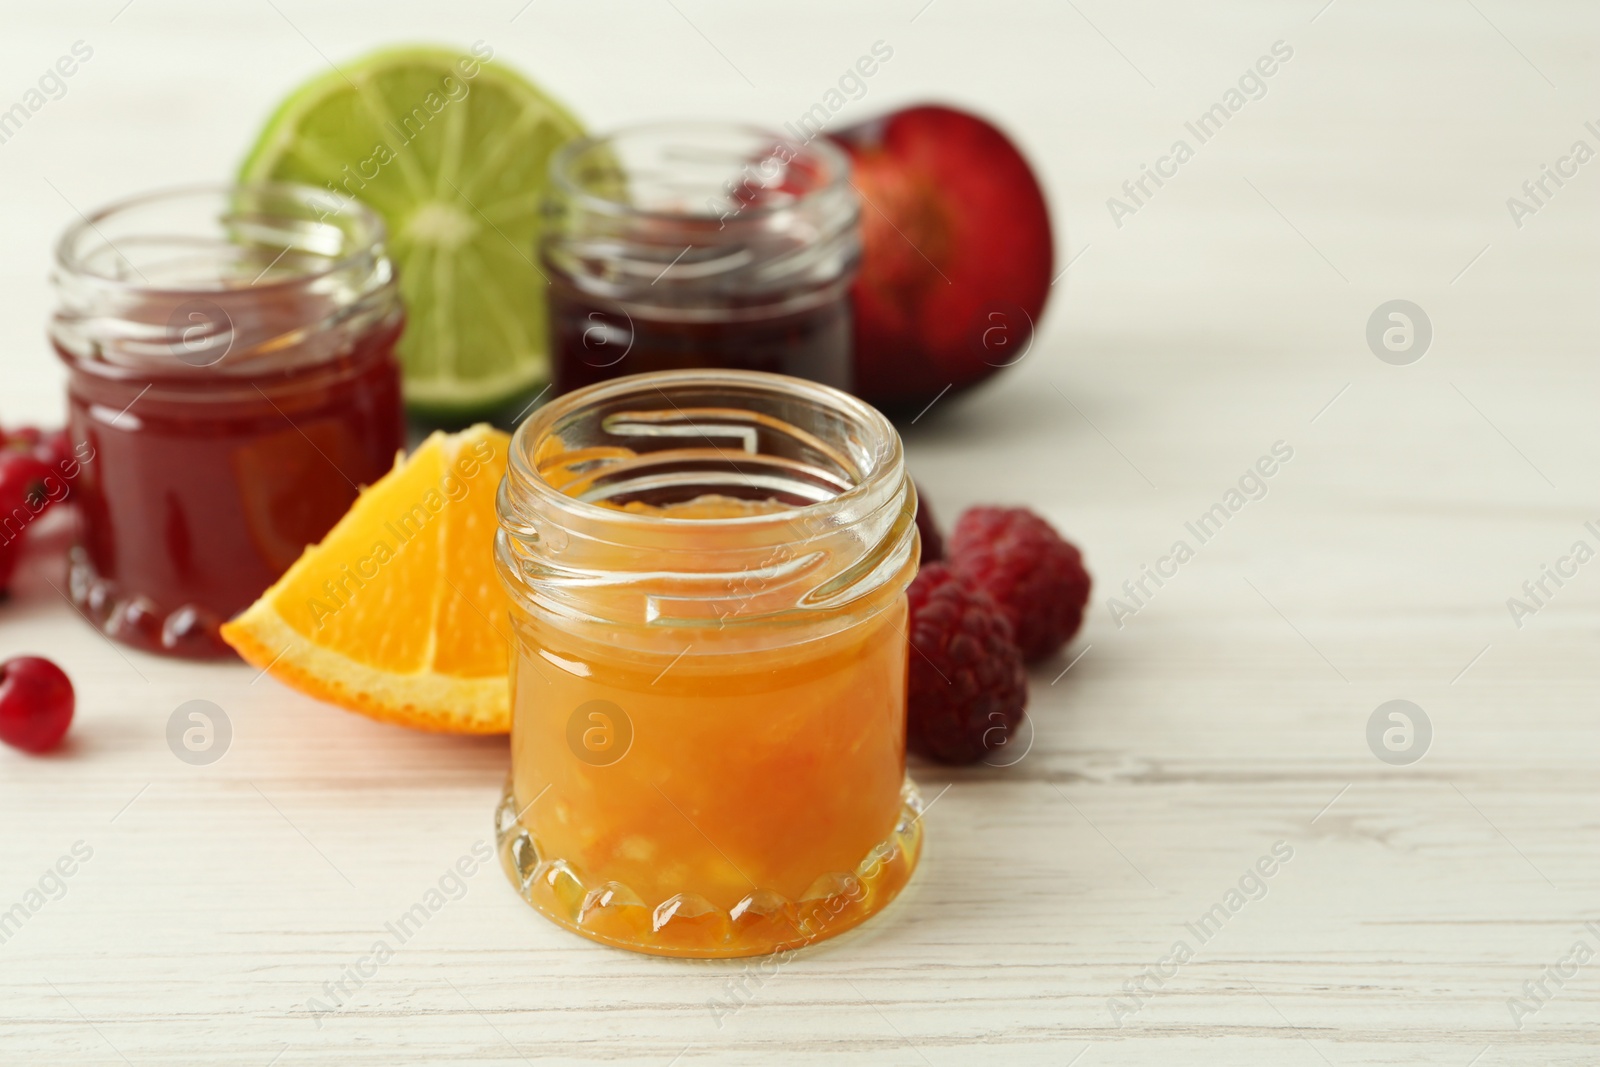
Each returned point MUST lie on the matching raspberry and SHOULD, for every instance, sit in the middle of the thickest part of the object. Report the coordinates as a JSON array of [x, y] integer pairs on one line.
[[968, 689], [928, 527], [1036, 577]]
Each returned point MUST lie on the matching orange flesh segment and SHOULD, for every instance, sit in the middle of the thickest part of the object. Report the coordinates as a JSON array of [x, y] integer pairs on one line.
[[397, 613]]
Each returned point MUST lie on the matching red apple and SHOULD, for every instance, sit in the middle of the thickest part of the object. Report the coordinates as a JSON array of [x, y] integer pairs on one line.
[[957, 254]]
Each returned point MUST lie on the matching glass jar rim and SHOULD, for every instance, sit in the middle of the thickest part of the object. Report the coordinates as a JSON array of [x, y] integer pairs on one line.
[[562, 163], [571, 544], [886, 464], [370, 235]]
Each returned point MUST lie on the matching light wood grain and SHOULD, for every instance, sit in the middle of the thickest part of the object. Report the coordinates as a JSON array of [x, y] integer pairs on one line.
[[1226, 716]]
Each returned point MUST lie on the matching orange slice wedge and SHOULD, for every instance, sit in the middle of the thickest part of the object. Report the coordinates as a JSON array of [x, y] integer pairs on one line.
[[398, 613]]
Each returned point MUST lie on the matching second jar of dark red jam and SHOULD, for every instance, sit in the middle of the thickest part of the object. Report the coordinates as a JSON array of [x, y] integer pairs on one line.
[[700, 245], [231, 385]]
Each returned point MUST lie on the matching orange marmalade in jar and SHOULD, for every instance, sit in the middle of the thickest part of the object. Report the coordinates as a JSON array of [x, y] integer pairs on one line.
[[707, 575]]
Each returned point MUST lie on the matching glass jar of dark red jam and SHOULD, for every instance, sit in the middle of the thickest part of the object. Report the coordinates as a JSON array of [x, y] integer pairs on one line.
[[231, 385], [700, 245]]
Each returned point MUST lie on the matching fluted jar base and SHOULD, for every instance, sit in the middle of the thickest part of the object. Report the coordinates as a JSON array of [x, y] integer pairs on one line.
[[686, 924]]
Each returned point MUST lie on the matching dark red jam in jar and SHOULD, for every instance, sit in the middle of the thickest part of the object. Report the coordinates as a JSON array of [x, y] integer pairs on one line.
[[700, 245], [231, 385]]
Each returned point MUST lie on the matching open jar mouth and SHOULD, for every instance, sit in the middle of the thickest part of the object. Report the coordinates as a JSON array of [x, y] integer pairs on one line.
[[815, 511], [683, 217], [204, 238], [231, 280], [697, 170]]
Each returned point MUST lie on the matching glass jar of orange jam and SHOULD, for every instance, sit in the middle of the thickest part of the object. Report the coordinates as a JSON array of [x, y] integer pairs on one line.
[[231, 383], [707, 575]]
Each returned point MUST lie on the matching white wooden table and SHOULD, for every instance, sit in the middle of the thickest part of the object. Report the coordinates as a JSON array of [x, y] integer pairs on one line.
[[1230, 713]]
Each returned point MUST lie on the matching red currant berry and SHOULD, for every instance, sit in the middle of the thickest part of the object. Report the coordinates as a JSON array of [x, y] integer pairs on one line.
[[36, 703], [25, 482]]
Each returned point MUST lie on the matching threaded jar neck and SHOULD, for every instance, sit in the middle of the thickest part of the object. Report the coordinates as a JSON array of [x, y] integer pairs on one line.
[[209, 283], [688, 219], [814, 512]]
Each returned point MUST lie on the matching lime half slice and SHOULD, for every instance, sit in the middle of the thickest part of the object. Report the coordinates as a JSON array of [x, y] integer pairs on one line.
[[452, 150]]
